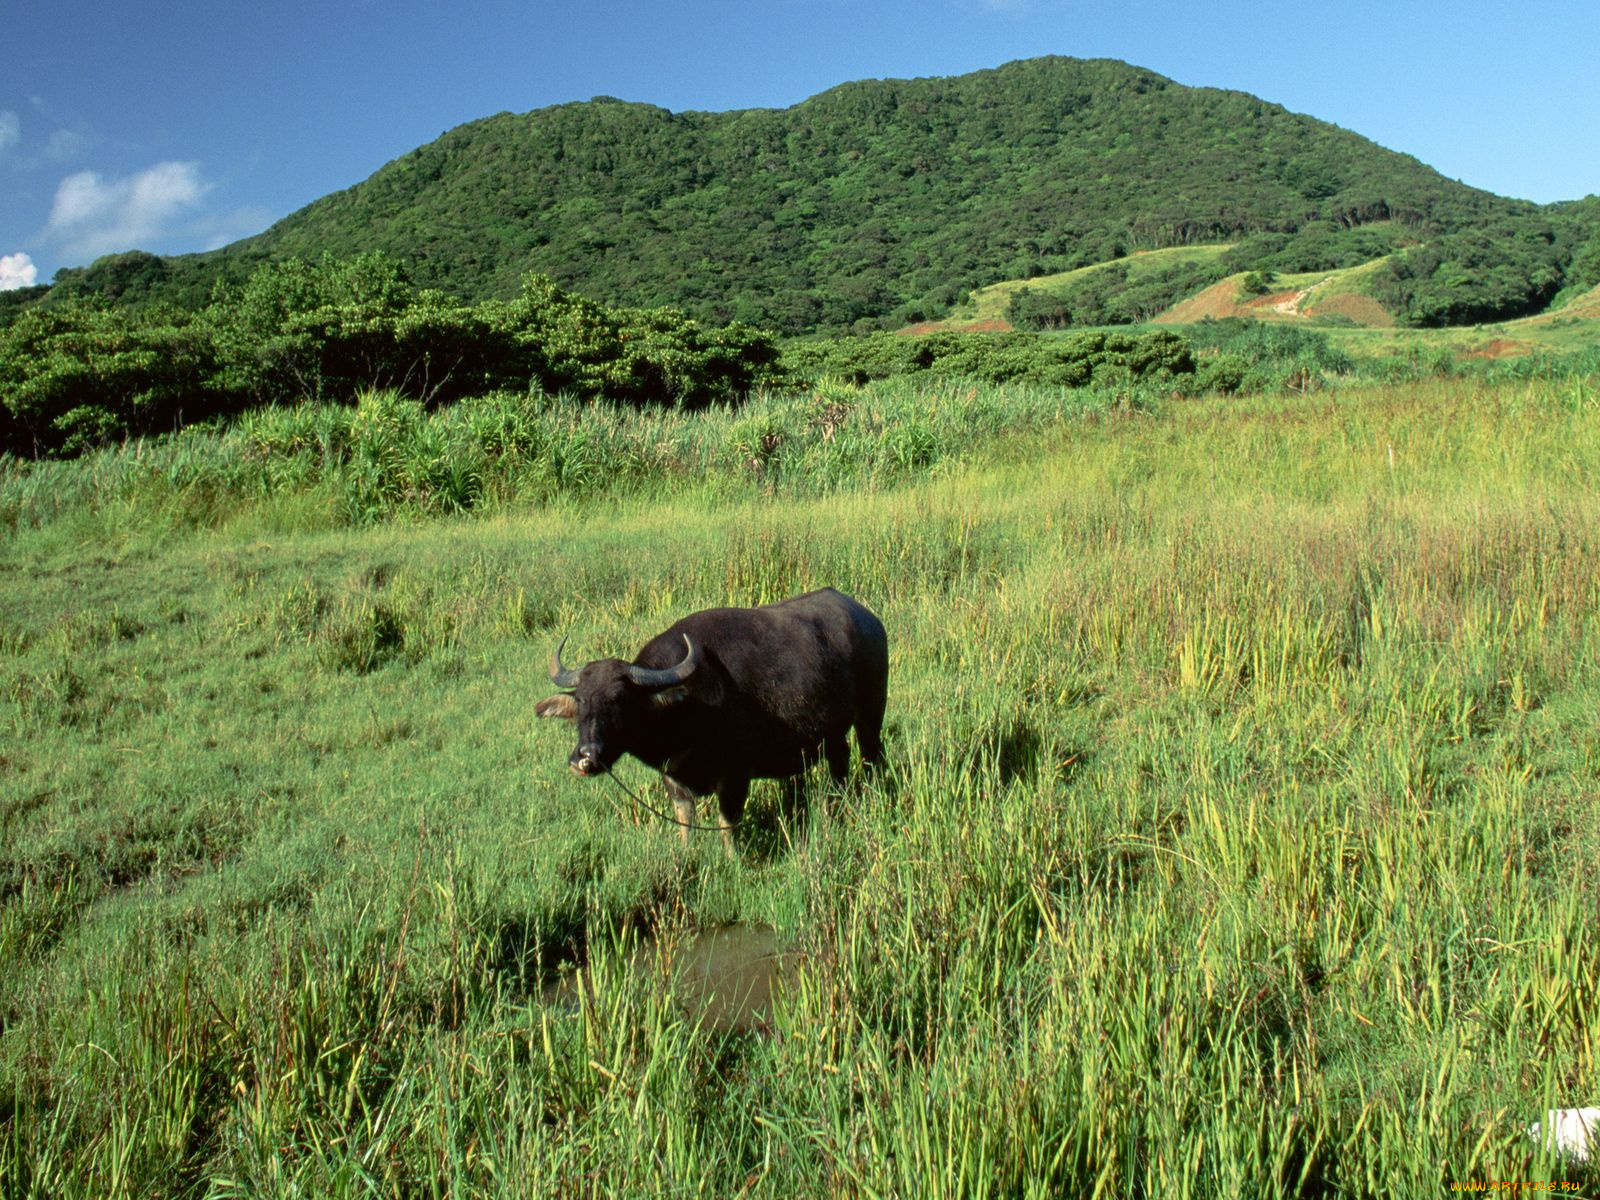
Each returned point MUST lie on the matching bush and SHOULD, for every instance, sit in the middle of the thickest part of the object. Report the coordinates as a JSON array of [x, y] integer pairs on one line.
[[1241, 355], [80, 373], [1256, 283], [1223, 374], [1474, 277], [1077, 360], [636, 356], [1031, 309]]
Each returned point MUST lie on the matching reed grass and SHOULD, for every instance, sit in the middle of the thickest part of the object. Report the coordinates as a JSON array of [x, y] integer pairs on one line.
[[1239, 834]]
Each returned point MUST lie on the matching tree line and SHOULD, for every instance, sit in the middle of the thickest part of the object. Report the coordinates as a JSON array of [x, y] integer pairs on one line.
[[84, 371]]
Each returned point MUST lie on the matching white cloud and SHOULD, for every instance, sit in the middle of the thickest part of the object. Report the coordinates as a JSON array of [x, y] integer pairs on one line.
[[17, 271], [93, 215], [10, 129], [64, 144]]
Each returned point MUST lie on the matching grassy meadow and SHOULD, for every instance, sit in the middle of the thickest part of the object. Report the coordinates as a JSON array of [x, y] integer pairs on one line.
[[1240, 834]]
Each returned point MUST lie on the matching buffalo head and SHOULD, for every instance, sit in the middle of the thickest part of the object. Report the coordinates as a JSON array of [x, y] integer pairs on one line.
[[612, 701]]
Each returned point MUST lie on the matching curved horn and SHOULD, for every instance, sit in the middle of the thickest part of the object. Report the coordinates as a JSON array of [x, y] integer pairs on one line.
[[564, 677], [645, 677]]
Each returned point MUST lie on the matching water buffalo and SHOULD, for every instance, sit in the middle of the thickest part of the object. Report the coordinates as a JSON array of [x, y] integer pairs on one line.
[[728, 695]]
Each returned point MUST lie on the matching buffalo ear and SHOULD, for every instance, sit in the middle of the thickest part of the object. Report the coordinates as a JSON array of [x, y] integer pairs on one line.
[[564, 706], [667, 697], [705, 685]]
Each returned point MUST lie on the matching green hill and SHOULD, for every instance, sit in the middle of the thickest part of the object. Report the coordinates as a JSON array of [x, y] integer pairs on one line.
[[884, 202], [1340, 303]]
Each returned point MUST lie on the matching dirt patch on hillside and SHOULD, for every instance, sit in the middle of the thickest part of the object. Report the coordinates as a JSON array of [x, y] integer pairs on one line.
[[1363, 310], [1222, 300], [1287, 303], [1217, 301], [1497, 348], [990, 325]]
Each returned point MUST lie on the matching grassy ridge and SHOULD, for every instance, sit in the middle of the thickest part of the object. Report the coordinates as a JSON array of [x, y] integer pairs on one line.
[[1240, 836]]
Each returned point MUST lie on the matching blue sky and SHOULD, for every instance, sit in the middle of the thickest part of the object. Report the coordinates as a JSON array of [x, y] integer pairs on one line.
[[180, 126]]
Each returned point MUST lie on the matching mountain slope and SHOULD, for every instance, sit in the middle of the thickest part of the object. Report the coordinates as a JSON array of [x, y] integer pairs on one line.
[[869, 199], [876, 202]]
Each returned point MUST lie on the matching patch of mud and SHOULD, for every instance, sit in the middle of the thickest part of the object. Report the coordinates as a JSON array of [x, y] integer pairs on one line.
[[723, 978]]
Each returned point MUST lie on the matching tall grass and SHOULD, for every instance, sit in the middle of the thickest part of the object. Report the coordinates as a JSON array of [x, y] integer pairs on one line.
[[320, 465], [1239, 835]]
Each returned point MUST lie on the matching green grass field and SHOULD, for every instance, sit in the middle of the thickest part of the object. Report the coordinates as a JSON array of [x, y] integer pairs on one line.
[[1240, 837]]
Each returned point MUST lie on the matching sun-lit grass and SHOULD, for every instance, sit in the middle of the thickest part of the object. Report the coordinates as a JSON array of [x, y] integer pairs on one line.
[[298, 469], [1240, 834], [1571, 329], [990, 303]]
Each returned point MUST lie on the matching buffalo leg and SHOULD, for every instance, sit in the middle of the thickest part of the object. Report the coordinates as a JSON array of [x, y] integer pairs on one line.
[[682, 805], [731, 794], [869, 736], [869, 724], [838, 750]]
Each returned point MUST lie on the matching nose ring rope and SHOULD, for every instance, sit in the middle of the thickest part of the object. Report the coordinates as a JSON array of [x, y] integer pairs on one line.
[[612, 775]]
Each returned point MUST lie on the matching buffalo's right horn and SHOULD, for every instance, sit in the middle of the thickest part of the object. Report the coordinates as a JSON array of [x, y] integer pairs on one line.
[[666, 677], [564, 677]]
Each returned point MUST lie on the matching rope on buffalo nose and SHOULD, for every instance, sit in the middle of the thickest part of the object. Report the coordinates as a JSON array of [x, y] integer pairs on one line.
[[656, 812]]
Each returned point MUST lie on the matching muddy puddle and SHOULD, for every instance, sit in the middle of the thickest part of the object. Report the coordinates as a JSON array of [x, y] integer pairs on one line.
[[724, 978]]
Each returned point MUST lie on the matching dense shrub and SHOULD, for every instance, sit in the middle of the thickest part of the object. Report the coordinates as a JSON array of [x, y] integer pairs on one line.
[[1240, 355], [80, 373], [1256, 283], [1073, 361], [1474, 276], [1317, 246], [1031, 308], [650, 356], [295, 330]]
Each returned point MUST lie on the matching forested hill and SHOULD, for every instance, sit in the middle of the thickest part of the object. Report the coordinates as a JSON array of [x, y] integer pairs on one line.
[[877, 201]]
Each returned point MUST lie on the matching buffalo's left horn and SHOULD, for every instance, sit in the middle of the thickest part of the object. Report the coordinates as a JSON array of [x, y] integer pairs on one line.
[[564, 677], [645, 677]]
